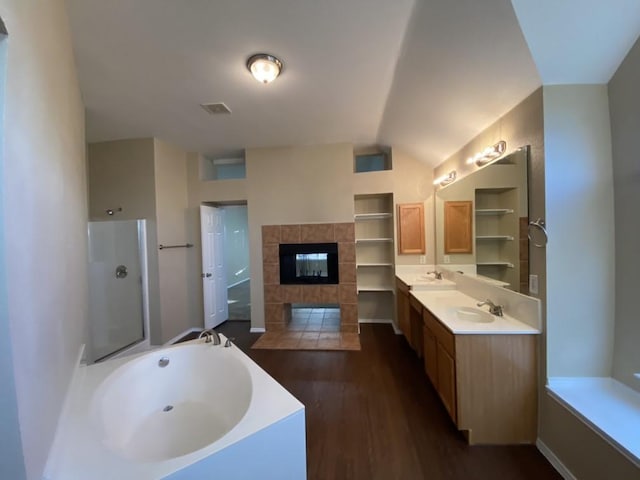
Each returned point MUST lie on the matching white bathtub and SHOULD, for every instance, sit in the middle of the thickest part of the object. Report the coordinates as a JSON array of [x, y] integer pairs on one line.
[[209, 412]]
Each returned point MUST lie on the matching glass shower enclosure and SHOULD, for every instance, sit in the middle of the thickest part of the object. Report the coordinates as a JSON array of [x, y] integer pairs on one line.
[[117, 287]]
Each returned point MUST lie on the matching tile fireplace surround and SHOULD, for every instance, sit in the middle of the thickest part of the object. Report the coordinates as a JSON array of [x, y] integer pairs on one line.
[[278, 298]]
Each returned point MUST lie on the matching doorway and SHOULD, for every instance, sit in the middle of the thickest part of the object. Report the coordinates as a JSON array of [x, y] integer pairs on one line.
[[236, 252], [233, 275]]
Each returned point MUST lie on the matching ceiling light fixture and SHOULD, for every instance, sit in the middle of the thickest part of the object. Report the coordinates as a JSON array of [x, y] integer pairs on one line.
[[446, 179], [265, 68], [488, 154]]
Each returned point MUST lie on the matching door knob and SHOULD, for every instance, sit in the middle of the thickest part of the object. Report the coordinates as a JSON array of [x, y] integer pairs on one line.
[[121, 271], [207, 275]]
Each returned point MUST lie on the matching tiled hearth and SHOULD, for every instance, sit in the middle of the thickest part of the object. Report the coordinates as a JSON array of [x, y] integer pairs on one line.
[[278, 298]]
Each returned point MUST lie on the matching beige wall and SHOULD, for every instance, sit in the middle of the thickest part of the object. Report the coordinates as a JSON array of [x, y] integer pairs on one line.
[[148, 178], [410, 181], [294, 185], [44, 219], [312, 184], [624, 103], [171, 209], [121, 174], [580, 254]]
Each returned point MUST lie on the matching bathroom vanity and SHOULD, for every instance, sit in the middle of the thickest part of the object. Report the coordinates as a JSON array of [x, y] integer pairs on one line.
[[483, 367]]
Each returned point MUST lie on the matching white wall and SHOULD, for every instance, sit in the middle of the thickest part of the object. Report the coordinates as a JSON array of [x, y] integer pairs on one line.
[[624, 103], [11, 459], [580, 252], [44, 219]]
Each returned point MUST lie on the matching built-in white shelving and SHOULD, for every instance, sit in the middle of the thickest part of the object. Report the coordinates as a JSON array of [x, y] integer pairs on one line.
[[497, 263], [374, 256], [495, 237], [496, 228], [371, 216], [374, 240], [493, 211]]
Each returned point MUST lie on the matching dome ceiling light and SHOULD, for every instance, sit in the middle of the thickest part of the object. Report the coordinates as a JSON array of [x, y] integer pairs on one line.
[[265, 68]]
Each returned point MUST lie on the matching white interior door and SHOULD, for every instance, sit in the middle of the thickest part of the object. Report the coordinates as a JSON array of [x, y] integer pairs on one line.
[[214, 285]]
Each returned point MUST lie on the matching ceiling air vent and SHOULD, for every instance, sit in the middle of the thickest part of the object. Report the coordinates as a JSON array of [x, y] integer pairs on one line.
[[216, 108]]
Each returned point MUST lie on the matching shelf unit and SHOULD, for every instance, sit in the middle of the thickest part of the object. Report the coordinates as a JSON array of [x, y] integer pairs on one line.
[[493, 211], [497, 254], [371, 216], [495, 237], [374, 257]]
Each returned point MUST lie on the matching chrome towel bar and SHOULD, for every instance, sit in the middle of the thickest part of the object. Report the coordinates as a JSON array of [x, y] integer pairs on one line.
[[186, 245]]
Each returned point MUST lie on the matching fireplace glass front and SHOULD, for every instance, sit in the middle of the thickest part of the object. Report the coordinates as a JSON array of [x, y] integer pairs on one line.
[[306, 263]]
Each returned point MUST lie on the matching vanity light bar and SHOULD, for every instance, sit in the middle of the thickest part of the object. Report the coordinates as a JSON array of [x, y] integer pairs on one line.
[[446, 179], [488, 154]]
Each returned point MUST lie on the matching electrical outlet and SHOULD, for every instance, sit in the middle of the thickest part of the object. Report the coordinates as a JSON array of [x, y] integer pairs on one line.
[[423, 259], [447, 259], [533, 284]]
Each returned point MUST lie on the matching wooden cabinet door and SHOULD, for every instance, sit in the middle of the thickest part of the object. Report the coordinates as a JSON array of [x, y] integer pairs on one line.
[[431, 356], [447, 380], [411, 228], [416, 327], [403, 314], [458, 227]]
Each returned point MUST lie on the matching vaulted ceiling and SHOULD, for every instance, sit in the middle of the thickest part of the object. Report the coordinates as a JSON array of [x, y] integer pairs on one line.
[[422, 75]]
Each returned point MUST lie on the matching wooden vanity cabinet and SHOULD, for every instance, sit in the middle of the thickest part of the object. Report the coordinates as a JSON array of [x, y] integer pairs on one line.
[[439, 360], [416, 339], [402, 307], [487, 382]]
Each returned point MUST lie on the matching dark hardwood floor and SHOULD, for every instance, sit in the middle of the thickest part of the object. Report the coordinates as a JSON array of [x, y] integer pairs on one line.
[[373, 414]]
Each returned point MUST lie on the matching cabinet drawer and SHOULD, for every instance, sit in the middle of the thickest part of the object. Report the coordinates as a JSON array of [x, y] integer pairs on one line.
[[444, 336]]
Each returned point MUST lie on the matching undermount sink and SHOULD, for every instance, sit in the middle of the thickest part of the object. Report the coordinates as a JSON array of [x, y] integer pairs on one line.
[[471, 314]]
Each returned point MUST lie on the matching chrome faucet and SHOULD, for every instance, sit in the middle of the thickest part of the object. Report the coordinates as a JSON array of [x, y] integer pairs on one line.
[[210, 336], [436, 274], [493, 308]]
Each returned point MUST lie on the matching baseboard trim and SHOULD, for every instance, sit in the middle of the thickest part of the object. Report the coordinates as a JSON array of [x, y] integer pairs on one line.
[[257, 330], [375, 320], [555, 461], [180, 335]]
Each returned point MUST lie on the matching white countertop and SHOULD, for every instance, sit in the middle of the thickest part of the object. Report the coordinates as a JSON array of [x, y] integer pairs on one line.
[[444, 303]]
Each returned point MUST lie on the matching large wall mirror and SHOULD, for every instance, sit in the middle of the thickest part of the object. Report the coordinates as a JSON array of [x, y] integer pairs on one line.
[[499, 217]]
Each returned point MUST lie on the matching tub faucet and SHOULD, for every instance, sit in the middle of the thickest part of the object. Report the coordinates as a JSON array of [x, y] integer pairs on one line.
[[210, 336], [493, 308], [436, 274]]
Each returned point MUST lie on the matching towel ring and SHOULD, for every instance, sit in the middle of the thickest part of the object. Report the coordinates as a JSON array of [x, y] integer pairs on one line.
[[539, 223]]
